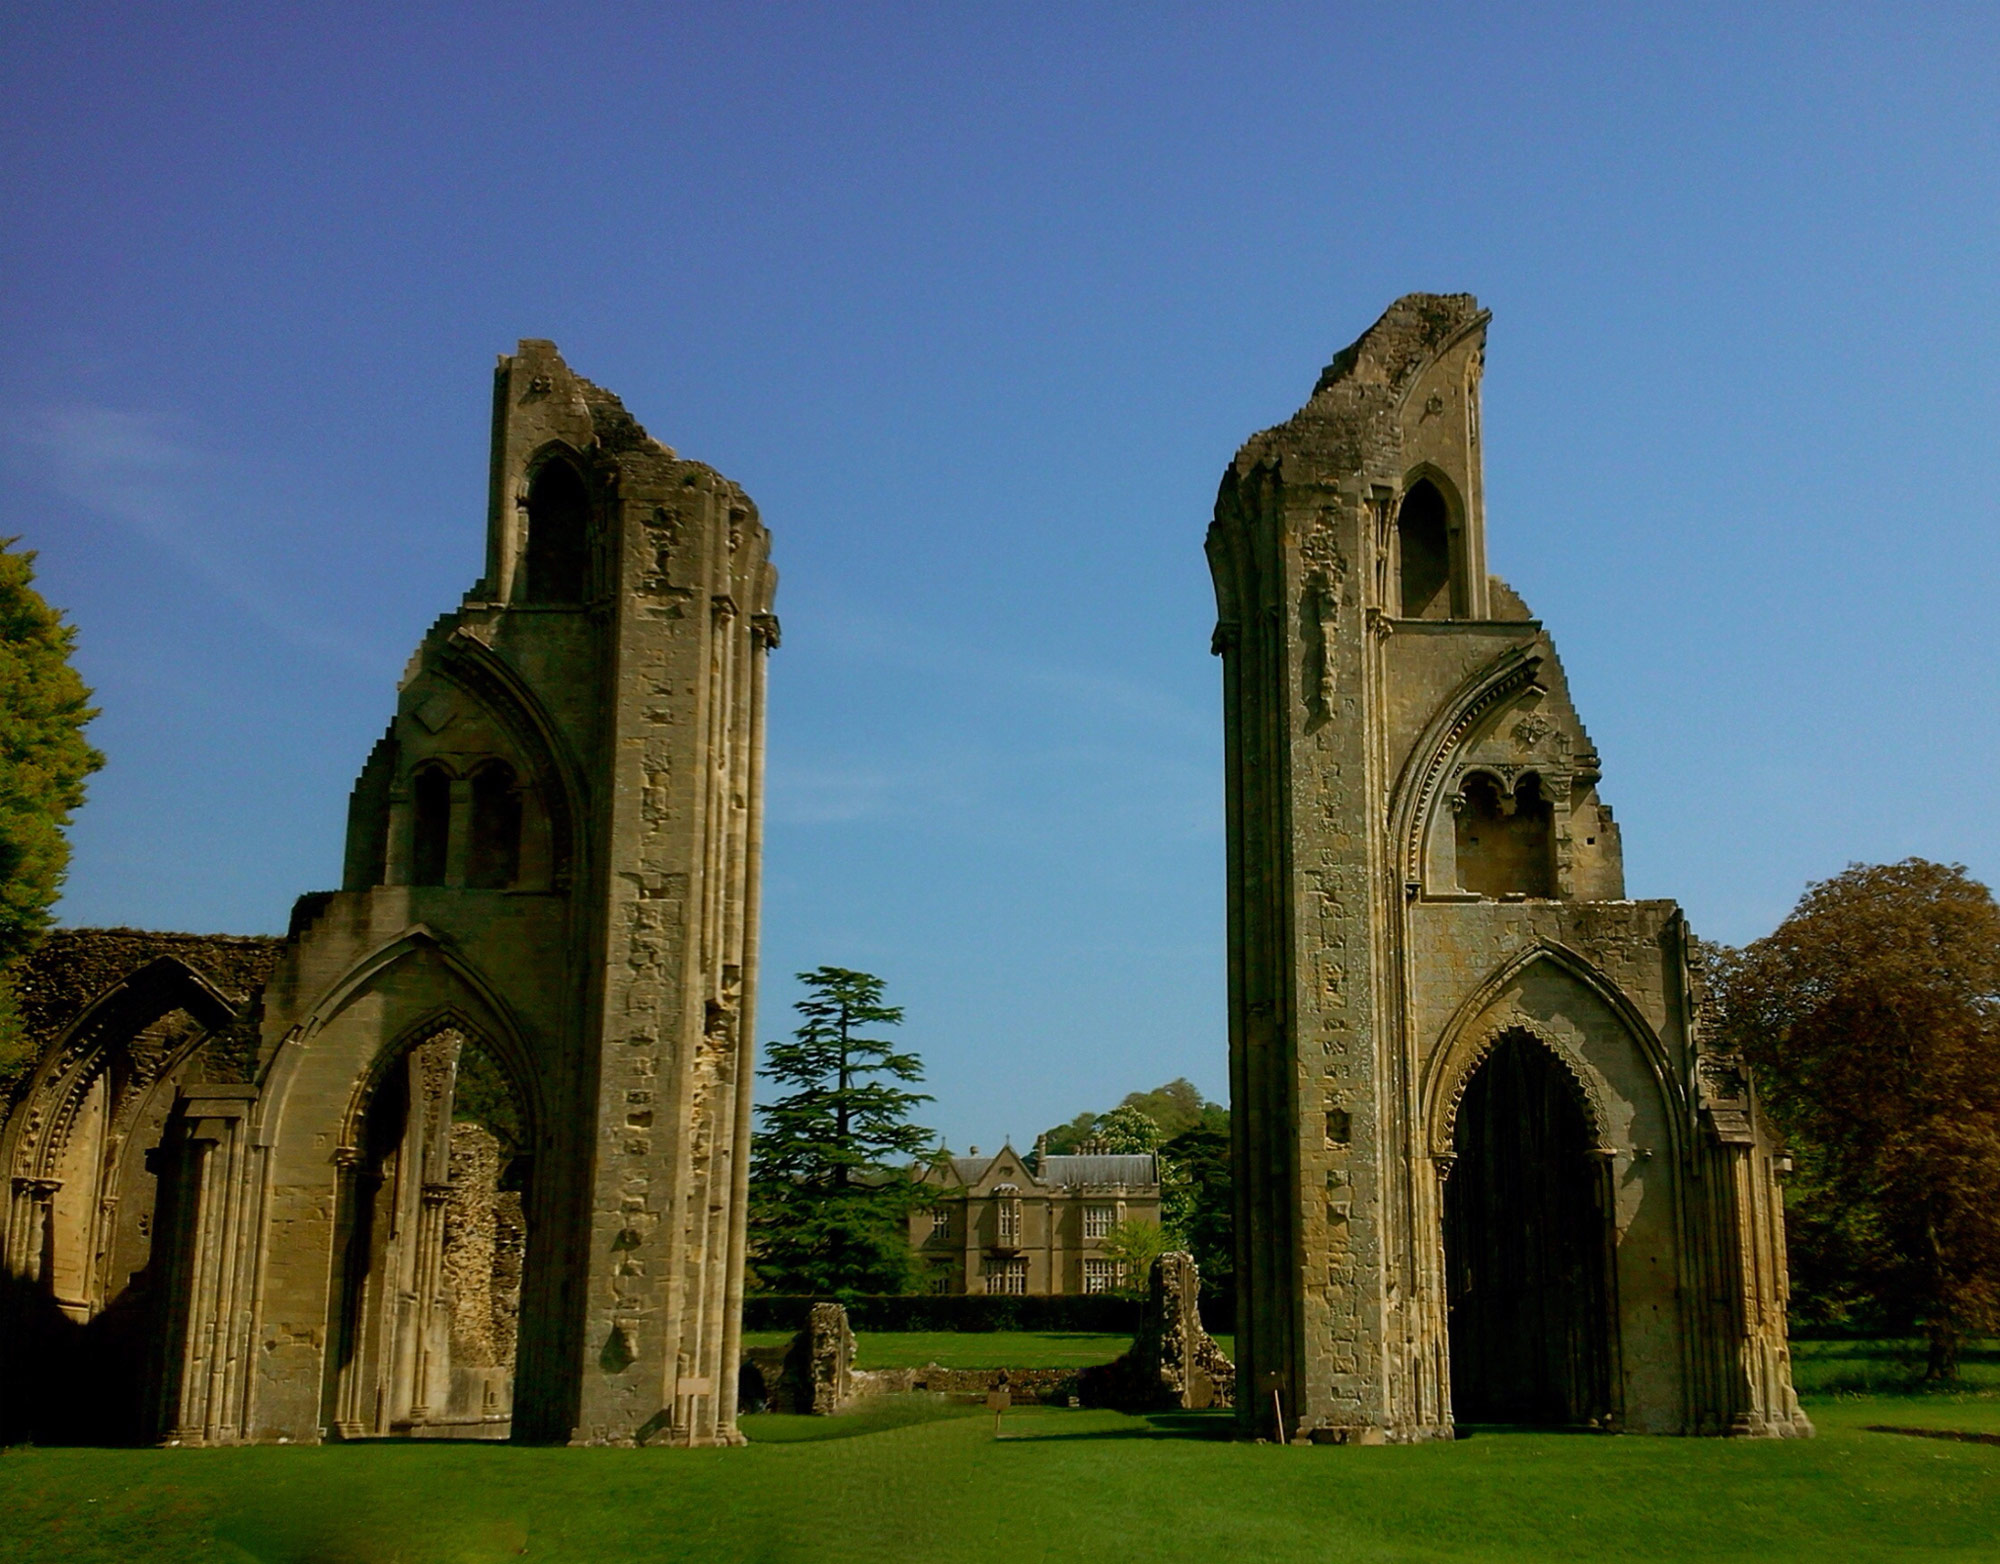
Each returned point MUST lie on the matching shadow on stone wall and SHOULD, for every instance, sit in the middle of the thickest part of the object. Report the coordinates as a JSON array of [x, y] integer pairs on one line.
[[63, 1382]]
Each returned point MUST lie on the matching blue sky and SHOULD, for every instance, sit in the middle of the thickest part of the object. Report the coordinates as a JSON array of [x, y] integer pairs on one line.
[[976, 303]]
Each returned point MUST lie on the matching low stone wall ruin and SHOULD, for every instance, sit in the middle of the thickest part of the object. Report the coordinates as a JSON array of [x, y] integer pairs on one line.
[[1173, 1364]]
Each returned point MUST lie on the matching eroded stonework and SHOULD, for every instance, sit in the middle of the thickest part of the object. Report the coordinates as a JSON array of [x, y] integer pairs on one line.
[[1489, 1167], [466, 1153]]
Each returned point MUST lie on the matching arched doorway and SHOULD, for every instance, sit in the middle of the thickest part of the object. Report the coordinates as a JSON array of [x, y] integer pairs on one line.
[[433, 1242], [1527, 1238]]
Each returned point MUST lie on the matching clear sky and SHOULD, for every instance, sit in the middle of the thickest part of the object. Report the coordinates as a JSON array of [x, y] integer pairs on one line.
[[977, 302]]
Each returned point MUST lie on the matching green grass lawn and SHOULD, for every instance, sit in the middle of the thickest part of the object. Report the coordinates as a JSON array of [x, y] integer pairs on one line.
[[916, 1479]]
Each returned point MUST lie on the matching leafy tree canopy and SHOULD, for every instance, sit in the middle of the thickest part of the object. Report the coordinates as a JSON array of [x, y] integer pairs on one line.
[[1173, 1109], [1871, 1018], [44, 761], [830, 1190], [1132, 1246]]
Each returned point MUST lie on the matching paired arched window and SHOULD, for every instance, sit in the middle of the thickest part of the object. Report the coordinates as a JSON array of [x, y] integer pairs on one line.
[[558, 535], [1505, 839], [490, 827], [1423, 539]]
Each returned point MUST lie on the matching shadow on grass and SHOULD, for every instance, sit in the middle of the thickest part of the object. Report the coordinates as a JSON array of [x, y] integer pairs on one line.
[[1148, 1425], [889, 1412]]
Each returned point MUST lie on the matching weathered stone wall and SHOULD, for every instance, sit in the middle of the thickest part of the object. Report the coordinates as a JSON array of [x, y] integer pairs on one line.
[[552, 856], [1372, 735], [71, 968]]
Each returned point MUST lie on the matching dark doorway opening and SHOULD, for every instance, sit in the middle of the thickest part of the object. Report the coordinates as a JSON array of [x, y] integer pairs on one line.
[[1527, 1239]]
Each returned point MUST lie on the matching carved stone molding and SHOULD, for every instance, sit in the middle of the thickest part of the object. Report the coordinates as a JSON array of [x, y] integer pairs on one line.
[[1468, 1056]]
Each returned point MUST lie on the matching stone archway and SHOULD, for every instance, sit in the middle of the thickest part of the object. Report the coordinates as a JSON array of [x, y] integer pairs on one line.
[[1528, 1242], [431, 1249]]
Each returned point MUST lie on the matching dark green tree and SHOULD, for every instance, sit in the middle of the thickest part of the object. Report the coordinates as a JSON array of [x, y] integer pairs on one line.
[[1197, 1200], [830, 1188], [43, 763], [1871, 1018]]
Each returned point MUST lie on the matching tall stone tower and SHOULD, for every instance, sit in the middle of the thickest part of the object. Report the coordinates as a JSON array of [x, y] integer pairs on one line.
[[1489, 1165], [472, 1160]]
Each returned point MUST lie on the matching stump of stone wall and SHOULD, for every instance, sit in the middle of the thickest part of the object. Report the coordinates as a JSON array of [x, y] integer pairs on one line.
[[828, 1349], [1174, 1364]]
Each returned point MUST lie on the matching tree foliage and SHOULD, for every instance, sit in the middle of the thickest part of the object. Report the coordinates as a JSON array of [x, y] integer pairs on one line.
[[44, 762], [1132, 1246], [829, 1188], [1173, 1109], [1871, 1018], [1198, 1202]]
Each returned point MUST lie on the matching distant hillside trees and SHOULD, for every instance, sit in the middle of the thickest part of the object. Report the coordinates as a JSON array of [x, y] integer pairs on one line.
[[1871, 1018], [830, 1191], [44, 762]]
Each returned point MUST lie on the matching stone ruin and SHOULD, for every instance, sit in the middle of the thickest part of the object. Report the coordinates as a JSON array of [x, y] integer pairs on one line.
[[1173, 1364], [466, 1151], [1490, 1164]]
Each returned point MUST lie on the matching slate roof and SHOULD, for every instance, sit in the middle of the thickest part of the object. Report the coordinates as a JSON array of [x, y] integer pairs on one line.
[[1066, 1172], [1130, 1169]]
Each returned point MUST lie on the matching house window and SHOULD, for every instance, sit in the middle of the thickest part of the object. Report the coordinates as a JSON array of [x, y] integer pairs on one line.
[[1010, 1221], [1007, 1277], [941, 1221], [941, 1282], [1097, 1221], [1098, 1275]]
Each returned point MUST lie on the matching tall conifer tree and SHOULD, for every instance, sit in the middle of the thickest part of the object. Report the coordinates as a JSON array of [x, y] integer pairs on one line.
[[830, 1189]]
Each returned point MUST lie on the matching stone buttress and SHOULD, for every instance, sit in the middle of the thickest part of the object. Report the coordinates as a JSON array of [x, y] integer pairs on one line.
[[1489, 1167]]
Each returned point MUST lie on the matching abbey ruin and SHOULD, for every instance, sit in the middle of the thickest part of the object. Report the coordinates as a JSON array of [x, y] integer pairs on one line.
[[1488, 1167], [464, 1153]]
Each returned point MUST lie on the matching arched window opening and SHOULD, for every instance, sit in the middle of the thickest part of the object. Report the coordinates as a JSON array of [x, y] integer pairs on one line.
[[436, 1240], [1423, 534], [493, 857], [558, 532], [1504, 839], [430, 791], [1528, 1247]]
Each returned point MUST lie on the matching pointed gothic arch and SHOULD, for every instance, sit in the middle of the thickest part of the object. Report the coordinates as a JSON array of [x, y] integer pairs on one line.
[[549, 765], [1417, 794], [431, 1238], [1477, 1024]]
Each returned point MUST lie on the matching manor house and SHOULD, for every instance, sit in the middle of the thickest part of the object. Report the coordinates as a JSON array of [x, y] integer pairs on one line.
[[1008, 1224]]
